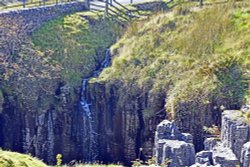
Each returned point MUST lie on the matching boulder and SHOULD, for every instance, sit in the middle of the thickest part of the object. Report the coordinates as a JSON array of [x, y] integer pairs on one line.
[[187, 137], [171, 144], [204, 157], [179, 153], [167, 130], [224, 156]]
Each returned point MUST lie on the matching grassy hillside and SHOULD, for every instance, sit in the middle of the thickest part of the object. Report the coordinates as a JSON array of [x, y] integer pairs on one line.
[[190, 54], [77, 42]]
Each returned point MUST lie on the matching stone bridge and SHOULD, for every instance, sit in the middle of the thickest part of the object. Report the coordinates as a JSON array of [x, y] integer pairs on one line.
[[36, 16]]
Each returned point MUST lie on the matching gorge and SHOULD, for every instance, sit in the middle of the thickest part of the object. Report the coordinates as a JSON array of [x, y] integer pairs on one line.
[[90, 89]]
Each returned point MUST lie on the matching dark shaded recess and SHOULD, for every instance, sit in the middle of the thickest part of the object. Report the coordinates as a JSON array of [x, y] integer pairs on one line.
[[58, 90], [140, 129], [11, 125], [1, 130]]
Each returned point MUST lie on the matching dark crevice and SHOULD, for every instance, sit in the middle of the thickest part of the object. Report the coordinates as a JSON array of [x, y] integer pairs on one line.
[[140, 130]]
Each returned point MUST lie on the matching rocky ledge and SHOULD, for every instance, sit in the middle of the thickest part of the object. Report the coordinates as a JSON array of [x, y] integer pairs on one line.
[[173, 148], [230, 150]]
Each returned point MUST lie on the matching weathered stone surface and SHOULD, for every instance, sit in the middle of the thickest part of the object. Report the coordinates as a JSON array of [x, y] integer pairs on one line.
[[209, 143], [245, 155], [180, 153], [153, 6], [159, 150], [204, 165], [204, 157], [168, 130], [191, 117], [172, 145], [126, 122], [224, 156], [187, 137], [35, 17], [234, 131]]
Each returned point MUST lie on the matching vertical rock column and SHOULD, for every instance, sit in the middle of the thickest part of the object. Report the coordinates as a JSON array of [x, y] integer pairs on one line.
[[173, 146], [234, 131]]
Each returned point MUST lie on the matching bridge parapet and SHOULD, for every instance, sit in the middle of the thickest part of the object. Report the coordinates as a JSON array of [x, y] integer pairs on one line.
[[36, 16]]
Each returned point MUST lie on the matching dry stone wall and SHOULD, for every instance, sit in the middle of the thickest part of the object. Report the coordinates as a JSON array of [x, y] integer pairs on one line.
[[35, 17]]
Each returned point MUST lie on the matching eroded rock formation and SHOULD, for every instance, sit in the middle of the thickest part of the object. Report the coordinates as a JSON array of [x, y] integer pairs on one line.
[[172, 145], [233, 147]]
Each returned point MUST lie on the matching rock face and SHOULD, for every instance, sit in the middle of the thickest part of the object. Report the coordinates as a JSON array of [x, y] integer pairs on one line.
[[204, 157], [172, 145], [53, 123], [57, 127], [234, 131], [224, 156], [125, 122], [43, 132], [193, 116], [233, 148], [179, 153], [245, 155]]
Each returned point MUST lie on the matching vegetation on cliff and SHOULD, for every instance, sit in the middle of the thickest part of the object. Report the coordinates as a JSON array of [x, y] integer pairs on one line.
[[77, 42], [189, 54]]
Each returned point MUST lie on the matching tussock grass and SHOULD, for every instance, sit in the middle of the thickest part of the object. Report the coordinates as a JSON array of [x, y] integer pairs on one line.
[[202, 55], [75, 43], [12, 159]]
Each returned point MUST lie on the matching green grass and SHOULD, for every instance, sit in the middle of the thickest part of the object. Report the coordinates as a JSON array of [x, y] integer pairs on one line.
[[199, 56], [76, 44], [12, 159]]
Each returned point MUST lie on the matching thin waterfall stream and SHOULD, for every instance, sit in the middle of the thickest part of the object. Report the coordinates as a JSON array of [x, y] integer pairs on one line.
[[89, 134]]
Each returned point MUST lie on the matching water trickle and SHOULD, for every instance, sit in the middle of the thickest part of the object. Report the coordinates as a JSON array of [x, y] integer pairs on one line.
[[89, 133]]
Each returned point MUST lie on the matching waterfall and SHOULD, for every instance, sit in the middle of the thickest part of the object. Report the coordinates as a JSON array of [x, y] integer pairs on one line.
[[89, 133]]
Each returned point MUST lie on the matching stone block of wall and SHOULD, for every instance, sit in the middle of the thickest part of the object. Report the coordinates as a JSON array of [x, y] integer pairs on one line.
[[152, 6], [35, 17]]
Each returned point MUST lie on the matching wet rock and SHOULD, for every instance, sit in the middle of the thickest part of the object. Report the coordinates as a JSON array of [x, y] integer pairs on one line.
[[245, 155], [126, 122]]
